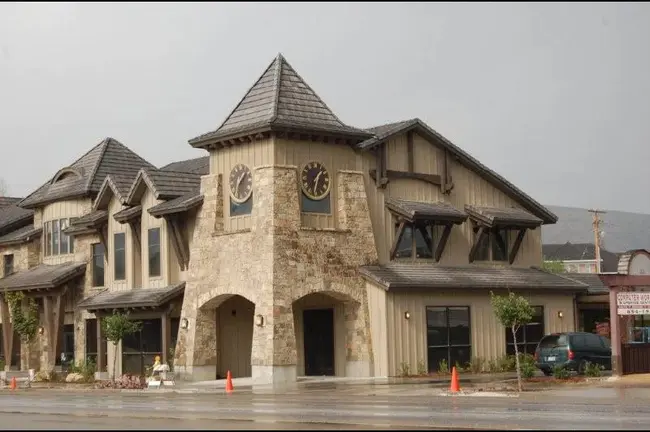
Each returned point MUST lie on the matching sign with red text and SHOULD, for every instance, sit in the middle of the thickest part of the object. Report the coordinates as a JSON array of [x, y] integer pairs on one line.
[[633, 303]]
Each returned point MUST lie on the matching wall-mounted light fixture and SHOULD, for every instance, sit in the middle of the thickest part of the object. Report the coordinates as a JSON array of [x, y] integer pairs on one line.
[[185, 323], [560, 314], [407, 315], [259, 320], [41, 330]]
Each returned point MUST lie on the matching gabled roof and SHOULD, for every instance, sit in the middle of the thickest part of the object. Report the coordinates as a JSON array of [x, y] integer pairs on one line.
[[200, 166], [20, 235], [580, 251], [280, 99], [86, 175], [164, 185], [384, 132], [113, 185]]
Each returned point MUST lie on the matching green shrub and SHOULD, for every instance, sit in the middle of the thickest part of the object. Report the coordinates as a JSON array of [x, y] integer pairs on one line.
[[506, 363], [477, 365], [422, 368], [2, 364], [404, 369], [492, 366], [560, 372], [443, 367], [527, 370], [86, 368], [593, 369]]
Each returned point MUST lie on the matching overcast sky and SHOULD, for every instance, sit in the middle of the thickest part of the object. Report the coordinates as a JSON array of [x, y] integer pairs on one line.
[[553, 96]]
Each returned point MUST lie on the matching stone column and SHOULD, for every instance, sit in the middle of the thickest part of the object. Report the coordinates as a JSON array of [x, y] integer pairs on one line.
[[358, 358]]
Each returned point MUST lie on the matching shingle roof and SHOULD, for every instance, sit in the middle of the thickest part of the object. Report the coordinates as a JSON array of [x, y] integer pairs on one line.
[[138, 297], [90, 219], [414, 210], [127, 214], [86, 175], [177, 205], [386, 131], [43, 276], [200, 166], [595, 285], [493, 216], [164, 184], [397, 276], [7, 201], [13, 217], [280, 98], [580, 251], [20, 235]]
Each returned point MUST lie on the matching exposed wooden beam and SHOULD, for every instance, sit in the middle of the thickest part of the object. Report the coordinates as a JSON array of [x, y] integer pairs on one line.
[[433, 179], [496, 235], [442, 242], [425, 236], [409, 151], [178, 242], [398, 239], [103, 238], [135, 229], [447, 183], [477, 241], [7, 331], [516, 245]]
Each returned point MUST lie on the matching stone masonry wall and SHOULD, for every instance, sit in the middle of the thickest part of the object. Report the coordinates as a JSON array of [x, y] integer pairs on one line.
[[273, 264]]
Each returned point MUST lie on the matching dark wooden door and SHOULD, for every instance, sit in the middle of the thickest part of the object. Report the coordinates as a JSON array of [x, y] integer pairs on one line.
[[318, 328]]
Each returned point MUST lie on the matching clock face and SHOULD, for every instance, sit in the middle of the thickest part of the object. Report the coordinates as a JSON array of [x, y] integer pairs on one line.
[[241, 183], [315, 181]]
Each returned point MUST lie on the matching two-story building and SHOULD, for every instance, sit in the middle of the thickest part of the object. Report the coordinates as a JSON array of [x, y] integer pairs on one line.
[[299, 246]]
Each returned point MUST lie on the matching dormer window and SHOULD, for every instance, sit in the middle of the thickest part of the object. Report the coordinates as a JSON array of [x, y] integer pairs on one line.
[[417, 241], [66, 173], [494, 245]]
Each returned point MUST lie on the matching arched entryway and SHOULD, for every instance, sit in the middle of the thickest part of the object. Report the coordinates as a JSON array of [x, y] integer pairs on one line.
[[319, 323], [234, 334]]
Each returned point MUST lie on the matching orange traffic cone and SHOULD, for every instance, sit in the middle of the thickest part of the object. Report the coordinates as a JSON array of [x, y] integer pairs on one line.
[[13, 384], [455, 385], [229, 387]]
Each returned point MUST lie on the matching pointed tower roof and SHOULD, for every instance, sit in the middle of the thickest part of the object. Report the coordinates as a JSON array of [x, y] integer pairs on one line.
[[86, 175], [279, 100]]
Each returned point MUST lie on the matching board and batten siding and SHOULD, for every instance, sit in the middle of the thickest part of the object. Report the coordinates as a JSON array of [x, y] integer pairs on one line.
[[61, 210], [469, 188], [115, 227], [405, 341], [167, 259]]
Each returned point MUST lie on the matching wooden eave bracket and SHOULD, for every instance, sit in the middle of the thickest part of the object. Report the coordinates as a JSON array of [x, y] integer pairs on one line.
[[178, 242], [443, 241], [398, 239], [102, 231], [135, 229], [515, 247], [478, 238], [447, 183]]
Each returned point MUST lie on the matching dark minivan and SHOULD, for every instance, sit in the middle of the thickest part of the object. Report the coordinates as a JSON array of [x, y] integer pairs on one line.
[[572, 351]]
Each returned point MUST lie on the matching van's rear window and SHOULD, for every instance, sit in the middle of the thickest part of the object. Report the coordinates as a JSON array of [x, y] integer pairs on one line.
[[553, 341]]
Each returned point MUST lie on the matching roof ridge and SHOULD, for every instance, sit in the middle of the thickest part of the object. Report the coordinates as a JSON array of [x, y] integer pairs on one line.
[[246, 94], [277, 83]]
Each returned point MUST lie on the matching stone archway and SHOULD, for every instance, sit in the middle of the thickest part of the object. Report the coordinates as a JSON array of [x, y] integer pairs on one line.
[[326, 329]]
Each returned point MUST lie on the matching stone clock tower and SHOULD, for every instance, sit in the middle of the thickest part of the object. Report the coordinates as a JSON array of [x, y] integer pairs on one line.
[[283, 229]]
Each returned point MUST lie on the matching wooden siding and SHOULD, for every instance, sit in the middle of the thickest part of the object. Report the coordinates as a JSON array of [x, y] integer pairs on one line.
[[406, 340], [113, 228], [469, 188], [61, 210], [166, 258], [254, 154]]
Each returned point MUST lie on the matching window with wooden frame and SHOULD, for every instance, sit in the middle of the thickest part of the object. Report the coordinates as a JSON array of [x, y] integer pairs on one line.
[[98, 264], [56, 242], [8, 265], [119, 256], [417, 240], [493, 245], [153, 242]]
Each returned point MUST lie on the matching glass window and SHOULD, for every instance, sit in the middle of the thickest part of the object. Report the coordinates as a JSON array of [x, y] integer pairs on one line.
[[405, 247], [55, 237], [316, 206], [119, 246], [483, 250], [65, 240], [71, 241], [500, 245], [8, 264], [241, 209], [448, 336], [528, 336], [48, 238], [154, 252], [98, 264]]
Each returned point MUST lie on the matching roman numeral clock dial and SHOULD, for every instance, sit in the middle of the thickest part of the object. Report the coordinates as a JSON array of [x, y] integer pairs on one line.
[[241, 183], [315, 181]]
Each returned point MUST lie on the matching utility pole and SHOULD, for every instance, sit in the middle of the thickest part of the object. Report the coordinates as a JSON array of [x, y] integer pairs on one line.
[[596, 225]]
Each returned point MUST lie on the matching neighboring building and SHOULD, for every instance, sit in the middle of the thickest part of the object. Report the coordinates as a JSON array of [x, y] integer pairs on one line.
[[580, 257], [299, 246]]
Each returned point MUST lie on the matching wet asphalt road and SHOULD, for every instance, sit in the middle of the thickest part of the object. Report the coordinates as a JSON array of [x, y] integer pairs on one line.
[[592, 409]]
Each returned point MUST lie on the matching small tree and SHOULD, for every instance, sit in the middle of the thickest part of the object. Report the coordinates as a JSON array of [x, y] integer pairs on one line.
[[116, 327], [512, 311], [24, 317], [553, 266]]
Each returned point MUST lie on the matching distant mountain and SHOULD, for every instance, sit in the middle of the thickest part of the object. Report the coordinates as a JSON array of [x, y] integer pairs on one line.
[[623, 230]]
